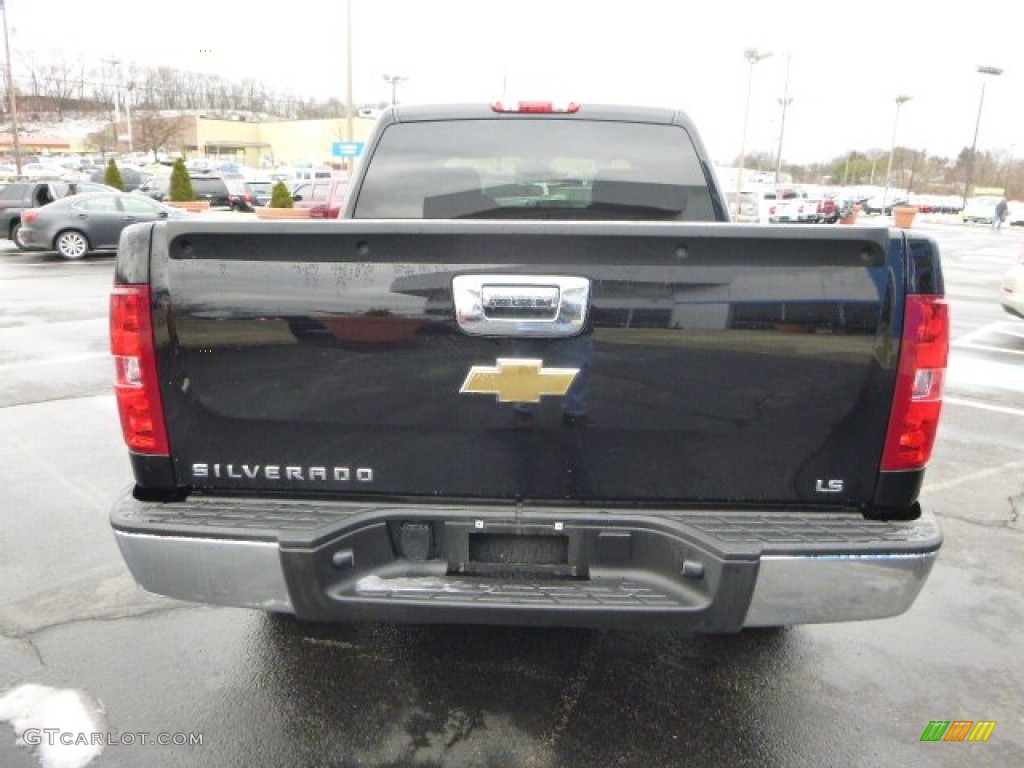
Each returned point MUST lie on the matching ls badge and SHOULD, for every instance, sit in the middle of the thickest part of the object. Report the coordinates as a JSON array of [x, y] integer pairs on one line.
[[829, 486], [515, 380]]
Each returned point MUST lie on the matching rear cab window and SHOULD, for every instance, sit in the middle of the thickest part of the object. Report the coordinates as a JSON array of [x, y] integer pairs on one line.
[[16, 191], [549, 169]]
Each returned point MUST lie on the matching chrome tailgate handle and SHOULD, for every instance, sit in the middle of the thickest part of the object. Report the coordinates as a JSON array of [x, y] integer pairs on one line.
[[521, 305]]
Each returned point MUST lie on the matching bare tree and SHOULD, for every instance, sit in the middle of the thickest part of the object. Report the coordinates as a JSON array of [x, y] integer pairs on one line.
[[256, 98], [156, 132], [35, 87], [60, 82], [100, 141]]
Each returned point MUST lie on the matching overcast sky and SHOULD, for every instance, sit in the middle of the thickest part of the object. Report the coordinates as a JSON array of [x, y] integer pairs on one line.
[[847, 61]]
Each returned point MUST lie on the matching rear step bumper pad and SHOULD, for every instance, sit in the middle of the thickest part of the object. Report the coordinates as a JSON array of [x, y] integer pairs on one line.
[[698, 570]]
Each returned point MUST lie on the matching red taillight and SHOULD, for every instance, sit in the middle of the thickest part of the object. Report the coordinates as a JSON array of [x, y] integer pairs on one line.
[[536, 107], [27, 217], [918, 400], [136, 386]]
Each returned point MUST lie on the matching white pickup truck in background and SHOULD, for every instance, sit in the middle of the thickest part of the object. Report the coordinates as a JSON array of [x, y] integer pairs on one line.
[[788, 205]]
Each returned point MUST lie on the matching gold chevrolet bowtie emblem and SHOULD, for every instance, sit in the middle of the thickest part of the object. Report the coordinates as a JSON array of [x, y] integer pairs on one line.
[[518, 381]]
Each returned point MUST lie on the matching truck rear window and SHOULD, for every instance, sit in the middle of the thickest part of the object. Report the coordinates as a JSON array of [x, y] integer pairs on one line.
[[548, 169], [14, 191]]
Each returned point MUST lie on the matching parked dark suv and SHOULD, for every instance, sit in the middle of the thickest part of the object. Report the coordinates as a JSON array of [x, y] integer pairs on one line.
[[247, 196], [213, 189], [17, 196]]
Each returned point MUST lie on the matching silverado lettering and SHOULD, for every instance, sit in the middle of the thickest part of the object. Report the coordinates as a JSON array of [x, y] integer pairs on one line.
[[587, 397], [202, 471]]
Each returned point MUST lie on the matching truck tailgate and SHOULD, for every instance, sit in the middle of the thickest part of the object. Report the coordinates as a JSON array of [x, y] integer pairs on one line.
[[711, 363]]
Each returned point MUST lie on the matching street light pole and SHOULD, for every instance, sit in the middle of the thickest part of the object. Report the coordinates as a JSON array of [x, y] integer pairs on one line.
[[996, 71], [1009, 167], [752, 55], [900, 101], [12, 97], [394, 80], [784, 102], [128, 115], [116, 64], [348, 70]]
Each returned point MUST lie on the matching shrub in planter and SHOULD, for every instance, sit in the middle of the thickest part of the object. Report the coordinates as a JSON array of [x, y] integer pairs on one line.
[[112, 177], [282, 205], [280, 197], [181, 184]]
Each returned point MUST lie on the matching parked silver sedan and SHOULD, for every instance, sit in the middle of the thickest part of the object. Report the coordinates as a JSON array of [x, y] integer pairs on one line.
[[1013, 289], [76, 225]]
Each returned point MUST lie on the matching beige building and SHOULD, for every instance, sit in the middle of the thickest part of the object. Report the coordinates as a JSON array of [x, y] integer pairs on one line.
[[249, 142], [283, 142], [273, 143]]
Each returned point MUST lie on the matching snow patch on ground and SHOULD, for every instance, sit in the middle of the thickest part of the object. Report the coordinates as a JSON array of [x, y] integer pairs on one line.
[[71, 715]]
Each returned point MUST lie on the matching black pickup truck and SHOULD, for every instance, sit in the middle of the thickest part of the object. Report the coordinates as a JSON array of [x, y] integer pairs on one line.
[[533, 376]]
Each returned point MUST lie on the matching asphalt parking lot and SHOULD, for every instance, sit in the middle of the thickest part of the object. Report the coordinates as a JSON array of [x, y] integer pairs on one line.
[[258, 690]]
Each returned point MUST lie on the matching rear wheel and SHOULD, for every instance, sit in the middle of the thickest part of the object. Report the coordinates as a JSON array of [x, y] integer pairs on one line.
[[15, 235], [71, 244]]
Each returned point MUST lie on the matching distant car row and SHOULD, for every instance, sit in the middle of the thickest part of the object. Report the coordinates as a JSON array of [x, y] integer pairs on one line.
[[789, 205], [74, 218], [807, 204], [324, 197], [73, 226]]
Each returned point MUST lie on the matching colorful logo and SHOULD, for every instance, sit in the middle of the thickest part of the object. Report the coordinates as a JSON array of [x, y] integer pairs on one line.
[[958, 730]]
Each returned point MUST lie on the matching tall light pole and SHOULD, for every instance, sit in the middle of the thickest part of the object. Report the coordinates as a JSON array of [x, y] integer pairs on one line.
[[1009, 167], [784, 102], [900, 101], [996, 71], [116, 64], [128, 115], [11, 96], [752, 55], [394, 80], [348, 70]]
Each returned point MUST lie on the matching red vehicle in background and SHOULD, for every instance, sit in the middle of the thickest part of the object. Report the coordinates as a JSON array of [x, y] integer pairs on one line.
[[324, 197], [828, 210]]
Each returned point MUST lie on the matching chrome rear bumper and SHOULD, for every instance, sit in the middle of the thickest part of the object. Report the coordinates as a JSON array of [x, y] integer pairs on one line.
[[702, 571]]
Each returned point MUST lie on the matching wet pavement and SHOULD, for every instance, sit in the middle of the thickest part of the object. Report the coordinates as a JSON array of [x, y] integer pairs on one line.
[[264, 690]]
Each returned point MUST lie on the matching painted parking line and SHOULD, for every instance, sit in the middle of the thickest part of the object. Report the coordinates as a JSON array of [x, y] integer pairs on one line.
[[981, 474], [983, 406], [81, 264], [990, 348], [985, 330], [20, 366], [1016, 330], [1011, 330]]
